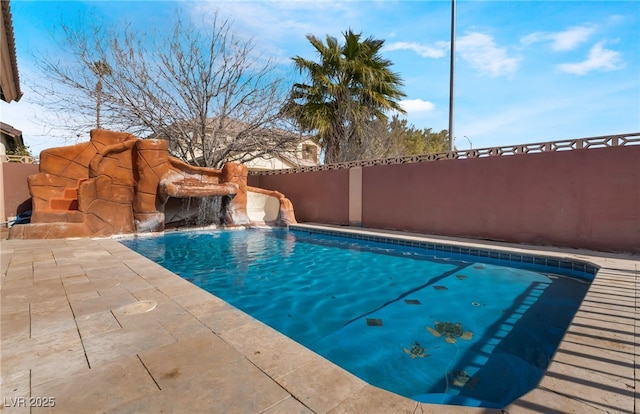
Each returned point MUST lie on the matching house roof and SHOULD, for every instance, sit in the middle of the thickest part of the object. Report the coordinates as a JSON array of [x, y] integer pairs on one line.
[[9, 133], [10, 130], [9, 77]]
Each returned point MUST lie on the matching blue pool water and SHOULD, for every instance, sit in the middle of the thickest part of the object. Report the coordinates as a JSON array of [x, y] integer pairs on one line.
[[427, 325]]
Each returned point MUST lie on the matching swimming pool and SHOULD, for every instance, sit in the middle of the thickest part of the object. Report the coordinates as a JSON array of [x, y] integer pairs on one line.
[[435, 326]]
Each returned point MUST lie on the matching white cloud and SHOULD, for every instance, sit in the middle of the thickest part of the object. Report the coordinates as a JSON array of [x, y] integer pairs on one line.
[[561, 41], [271, 21], [599, 58], [422, 50], [481, 52], [570, 39], [416, 105], [279, 28]]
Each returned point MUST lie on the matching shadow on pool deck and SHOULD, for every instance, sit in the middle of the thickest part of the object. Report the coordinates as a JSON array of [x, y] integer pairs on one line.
[[68, 332]]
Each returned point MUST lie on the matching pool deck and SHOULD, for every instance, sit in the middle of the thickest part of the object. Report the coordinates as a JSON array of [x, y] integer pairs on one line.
[[76, 326]]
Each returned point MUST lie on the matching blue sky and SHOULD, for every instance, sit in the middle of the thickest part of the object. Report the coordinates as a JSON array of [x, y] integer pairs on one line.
[[526, 71]]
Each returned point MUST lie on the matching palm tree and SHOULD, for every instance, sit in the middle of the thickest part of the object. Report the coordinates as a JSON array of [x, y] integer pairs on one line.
[[349, 88]]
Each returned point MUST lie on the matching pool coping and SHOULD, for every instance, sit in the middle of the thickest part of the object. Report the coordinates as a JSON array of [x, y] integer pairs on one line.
[[594, 369]]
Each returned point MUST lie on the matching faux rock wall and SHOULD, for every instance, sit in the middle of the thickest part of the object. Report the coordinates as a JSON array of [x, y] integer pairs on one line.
[[119, 184]]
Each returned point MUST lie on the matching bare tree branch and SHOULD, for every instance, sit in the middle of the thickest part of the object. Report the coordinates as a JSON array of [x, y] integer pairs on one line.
[[199, 87]]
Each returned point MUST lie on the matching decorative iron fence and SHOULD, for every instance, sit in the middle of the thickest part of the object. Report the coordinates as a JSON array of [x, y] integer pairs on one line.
[[23, 159], [552, 146]]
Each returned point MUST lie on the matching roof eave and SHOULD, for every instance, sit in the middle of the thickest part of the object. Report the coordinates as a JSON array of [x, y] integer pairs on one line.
[[10, 90]]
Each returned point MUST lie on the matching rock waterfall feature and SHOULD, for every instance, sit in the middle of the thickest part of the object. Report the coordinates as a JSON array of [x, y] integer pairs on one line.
[[119, 184]]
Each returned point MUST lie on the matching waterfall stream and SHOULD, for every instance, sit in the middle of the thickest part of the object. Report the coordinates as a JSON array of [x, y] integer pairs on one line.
[[209, 211]]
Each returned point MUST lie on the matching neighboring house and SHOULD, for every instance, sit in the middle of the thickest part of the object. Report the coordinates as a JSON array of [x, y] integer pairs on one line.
[[10, 138], [9, 79], [305, 154]]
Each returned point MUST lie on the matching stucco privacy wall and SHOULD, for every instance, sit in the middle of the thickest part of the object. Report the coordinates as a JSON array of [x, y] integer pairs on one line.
[[15, 192], [321, 196], [579, 198]]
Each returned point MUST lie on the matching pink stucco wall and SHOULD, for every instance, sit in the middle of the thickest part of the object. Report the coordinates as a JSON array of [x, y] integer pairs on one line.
[[16, 192], [579, 198], [582, 198], [321, 197]]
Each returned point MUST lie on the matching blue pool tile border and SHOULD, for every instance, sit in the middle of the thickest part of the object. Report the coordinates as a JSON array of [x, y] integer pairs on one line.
[[562, 264]]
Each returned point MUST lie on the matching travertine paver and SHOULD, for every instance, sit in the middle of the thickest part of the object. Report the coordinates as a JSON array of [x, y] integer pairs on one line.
[[370, 400], [272, 352], [545, 401], [69, 329], [113, 345], [207, 375], [320, 385], [101, 388]]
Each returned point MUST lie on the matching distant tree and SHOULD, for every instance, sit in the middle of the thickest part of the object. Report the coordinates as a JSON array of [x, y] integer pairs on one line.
[[348, 91], [20, 150], [435, 141], [18, 153], [198, 86], [395, 137]]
